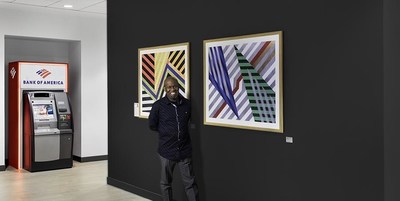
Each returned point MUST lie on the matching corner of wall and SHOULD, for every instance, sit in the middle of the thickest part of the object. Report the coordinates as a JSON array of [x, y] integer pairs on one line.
[[2, 101]]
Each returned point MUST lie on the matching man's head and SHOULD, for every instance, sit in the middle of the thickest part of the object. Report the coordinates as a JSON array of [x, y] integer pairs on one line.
[[171, 87]]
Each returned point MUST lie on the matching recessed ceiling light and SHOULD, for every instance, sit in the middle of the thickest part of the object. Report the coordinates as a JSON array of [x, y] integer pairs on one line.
[[68, 6]]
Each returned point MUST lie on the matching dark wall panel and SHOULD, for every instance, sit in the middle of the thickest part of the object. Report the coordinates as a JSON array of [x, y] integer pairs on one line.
[[392, 98], [333, 106]]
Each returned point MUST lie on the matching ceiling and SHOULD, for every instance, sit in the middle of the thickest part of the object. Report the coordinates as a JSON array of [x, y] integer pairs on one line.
[[88, 6]]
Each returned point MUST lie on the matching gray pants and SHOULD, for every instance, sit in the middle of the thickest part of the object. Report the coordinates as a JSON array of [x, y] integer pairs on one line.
[[186, 169]]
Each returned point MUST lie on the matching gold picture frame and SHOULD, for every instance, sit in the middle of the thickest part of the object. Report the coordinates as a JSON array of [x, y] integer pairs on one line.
[[243, 86]]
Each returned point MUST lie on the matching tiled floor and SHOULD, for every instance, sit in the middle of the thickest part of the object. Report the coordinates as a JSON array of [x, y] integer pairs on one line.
[[83, 182]]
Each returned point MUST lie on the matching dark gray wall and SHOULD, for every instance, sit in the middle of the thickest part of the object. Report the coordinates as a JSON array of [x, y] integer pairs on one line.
[[392, 98], [333, 105]]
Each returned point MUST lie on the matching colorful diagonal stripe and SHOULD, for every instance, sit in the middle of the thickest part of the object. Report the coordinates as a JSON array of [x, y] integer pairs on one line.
[[43, 73], [219, 77], [155, 68], [259, 93]]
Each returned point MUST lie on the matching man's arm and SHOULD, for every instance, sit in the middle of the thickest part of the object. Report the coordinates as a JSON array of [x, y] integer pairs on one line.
[[153, 117]]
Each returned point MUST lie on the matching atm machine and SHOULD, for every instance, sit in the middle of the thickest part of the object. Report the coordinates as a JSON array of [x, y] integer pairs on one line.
[[47, 131]]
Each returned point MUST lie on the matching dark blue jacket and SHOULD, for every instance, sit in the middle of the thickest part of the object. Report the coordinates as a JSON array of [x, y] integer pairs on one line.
[[171, 120]]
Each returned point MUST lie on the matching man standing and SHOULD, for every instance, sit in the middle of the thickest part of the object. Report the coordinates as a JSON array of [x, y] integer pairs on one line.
[[170, 116]]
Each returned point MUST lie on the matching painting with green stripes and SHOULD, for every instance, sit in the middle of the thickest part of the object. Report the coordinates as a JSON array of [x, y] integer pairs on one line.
[[243, 82]]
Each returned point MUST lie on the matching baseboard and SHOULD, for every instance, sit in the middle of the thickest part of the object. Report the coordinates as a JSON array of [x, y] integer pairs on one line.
[[133, 189], [2, 167], [89, 159]]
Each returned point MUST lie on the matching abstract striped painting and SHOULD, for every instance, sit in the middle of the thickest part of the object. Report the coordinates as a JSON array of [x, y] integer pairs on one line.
[[243, 82], [157, 63]]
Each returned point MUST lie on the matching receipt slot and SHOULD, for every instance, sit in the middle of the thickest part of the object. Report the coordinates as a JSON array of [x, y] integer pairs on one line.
[[48, 131]]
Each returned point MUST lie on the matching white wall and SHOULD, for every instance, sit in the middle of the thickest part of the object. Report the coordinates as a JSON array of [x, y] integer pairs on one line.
[[90, 30]]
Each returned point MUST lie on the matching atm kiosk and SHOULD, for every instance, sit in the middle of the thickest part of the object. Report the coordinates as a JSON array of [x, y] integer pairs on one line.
[[48, 131], [37, 96]]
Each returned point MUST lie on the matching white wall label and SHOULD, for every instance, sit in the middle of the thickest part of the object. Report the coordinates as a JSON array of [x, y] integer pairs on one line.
[[136, 109], [289, 139]]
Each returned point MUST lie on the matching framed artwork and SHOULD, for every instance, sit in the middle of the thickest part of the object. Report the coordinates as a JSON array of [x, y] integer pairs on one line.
[[157, 63], [243, 82]]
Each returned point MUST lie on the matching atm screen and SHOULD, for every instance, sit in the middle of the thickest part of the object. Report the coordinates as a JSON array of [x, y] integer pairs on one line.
[[43, 111]]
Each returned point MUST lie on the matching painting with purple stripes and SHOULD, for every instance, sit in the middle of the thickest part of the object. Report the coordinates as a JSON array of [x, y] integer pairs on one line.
[[243, 82]]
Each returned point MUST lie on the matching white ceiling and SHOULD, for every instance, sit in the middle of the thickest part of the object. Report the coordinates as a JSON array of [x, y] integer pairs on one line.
[[90, 6]]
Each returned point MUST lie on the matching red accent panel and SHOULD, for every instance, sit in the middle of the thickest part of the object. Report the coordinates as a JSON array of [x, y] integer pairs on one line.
[[13, 114]]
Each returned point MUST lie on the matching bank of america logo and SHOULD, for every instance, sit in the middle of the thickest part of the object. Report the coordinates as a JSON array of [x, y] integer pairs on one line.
[[43, 73], [13, 72]]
